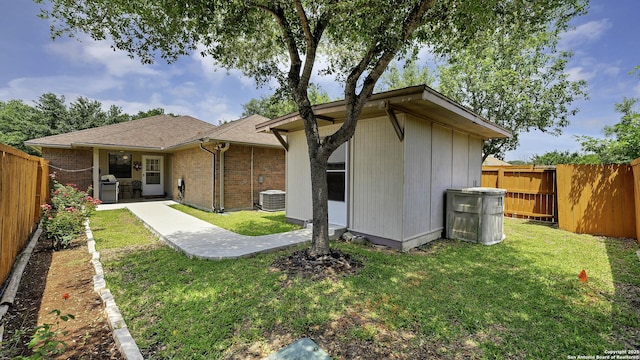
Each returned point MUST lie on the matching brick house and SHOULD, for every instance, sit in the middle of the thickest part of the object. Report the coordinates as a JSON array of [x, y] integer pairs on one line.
[[221, 167]]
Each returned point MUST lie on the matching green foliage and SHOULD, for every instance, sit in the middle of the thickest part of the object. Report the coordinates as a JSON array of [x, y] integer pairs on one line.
[[51, 116], [44, 343], [149, 113], [409, 75], [20, 122], [519, 83], [518, 162], [63, 219], [622, 142], [558, 157], [279, 104]]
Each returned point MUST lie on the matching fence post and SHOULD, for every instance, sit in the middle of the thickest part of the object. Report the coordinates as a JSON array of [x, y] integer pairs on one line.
[[500, 178], [635, 165]]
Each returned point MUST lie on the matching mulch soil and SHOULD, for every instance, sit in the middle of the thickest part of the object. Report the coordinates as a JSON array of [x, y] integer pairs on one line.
[[59, 280]]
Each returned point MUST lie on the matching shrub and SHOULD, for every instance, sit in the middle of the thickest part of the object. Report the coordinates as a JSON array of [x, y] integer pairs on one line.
[[63, 218]]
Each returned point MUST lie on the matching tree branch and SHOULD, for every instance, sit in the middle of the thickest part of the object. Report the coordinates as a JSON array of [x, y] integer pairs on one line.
[[313, 39], [412, 22], [296, 63]]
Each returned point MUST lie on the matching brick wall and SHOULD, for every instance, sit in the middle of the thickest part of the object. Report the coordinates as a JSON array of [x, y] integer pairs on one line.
[[70, 159], [271, 165], [194, 166]]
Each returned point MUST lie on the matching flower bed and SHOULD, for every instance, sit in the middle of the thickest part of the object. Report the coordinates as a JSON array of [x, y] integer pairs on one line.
[[63, 218]]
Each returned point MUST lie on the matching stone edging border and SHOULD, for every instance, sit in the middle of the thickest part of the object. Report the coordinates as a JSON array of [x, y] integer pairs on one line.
[[124, 341]]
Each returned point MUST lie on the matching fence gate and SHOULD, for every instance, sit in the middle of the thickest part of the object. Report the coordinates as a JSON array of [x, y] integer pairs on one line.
[[531, 192]]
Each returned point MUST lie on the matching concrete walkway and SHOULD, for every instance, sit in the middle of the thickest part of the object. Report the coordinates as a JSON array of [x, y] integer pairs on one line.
[[198, 238]]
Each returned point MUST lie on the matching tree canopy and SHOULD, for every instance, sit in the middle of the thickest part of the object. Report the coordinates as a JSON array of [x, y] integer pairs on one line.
[[520, 83], [278, 104], [50, 115], [410, 74], [556, 157], [283, 40], [622, 140]]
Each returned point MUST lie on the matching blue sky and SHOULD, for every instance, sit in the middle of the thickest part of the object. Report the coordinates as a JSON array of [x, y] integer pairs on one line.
[[605, 42]]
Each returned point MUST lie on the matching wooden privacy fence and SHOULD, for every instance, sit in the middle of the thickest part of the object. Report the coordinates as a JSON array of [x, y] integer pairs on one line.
[[597, 200], [531, 192], [24, 186], [587, 199]]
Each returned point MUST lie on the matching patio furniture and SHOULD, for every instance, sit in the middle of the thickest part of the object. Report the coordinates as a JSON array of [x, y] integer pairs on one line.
[[136, 186]]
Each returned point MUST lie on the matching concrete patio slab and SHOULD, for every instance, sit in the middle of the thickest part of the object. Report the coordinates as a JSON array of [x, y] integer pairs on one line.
[[200, 239]]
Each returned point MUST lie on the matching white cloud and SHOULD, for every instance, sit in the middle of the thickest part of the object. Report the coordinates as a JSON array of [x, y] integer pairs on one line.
[[216, 73], [88, 51], [579, 73], [612, 70], [69, 86], [205, 107], [587, 32]]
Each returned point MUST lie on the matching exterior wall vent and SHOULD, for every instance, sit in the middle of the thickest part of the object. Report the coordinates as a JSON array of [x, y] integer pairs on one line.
[[272, 200]]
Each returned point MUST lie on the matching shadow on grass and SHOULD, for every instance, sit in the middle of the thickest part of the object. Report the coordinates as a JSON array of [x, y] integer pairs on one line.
[[456, 300], [625, 269], [497, 298]]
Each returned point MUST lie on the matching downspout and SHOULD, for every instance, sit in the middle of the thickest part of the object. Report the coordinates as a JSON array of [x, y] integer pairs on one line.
[[213, 176], [222, 149]]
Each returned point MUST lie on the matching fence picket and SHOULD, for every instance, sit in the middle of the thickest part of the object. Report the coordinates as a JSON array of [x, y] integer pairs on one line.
[[24, 186]]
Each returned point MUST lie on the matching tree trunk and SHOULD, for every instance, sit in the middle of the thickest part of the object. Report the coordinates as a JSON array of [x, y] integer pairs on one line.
[[319, 197]]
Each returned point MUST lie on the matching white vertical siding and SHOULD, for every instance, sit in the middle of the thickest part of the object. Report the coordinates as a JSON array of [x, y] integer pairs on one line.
[[298, 199], [377, 179], [417, 179], [460, 163], [442, 159], [475, 161]]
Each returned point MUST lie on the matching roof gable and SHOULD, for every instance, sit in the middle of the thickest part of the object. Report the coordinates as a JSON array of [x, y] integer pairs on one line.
[[243, 131]]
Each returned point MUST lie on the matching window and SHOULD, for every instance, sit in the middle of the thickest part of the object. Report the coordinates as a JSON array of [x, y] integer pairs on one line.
[[120, 165], [336, 181], [336, 174]]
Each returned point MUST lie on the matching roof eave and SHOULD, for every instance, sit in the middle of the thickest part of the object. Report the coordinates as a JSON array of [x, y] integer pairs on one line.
[[39, 146], [117, 146], [446, 103], [406, 94]]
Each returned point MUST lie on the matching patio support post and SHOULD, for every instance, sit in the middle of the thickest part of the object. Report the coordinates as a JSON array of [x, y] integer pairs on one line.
[[96, 173], [252, 198], [221, 150]]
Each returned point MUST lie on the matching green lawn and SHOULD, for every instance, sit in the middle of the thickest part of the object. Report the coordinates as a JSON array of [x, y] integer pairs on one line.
[[252, 223], [117, 229], [518, 299]]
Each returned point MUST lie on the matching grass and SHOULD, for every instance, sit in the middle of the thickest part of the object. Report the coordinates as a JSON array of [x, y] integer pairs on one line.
[[518, 299], [251, 223], [117, 229]]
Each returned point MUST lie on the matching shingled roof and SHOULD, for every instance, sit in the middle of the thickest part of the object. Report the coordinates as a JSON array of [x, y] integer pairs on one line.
[[243, 131], [160, 132]]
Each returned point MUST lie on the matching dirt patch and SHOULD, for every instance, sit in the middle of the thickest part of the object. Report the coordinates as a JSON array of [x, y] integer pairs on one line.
[[332, 265], [351, 336], [61, 280]]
